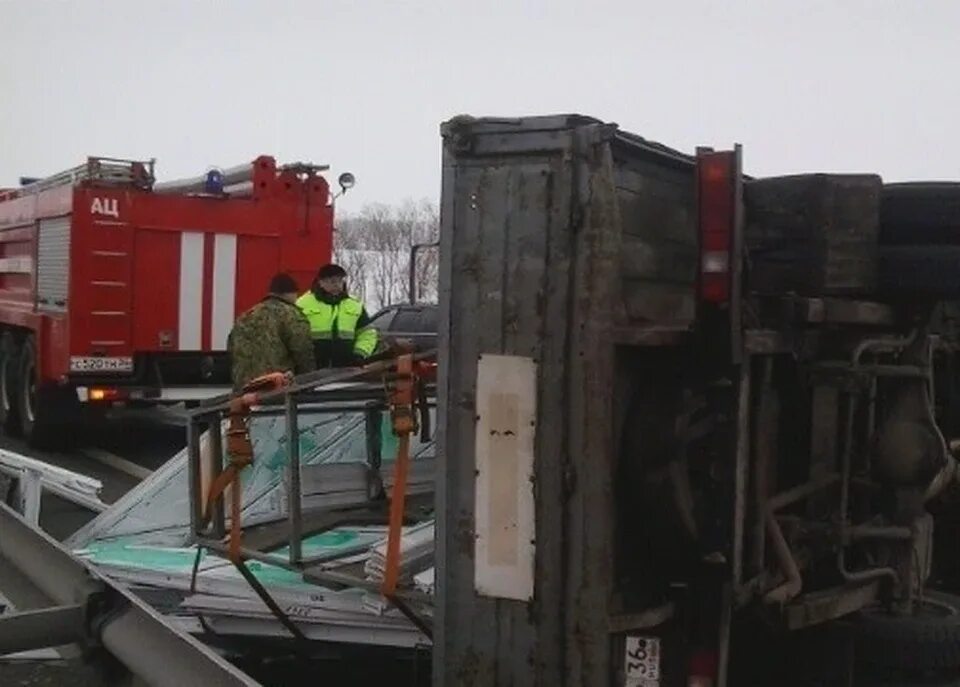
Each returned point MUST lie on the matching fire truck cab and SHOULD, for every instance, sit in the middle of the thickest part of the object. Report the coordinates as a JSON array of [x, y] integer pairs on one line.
[[115, 288]]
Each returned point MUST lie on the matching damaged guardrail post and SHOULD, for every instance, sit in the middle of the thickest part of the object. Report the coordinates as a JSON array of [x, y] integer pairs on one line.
[[44, 627], [94, 611]]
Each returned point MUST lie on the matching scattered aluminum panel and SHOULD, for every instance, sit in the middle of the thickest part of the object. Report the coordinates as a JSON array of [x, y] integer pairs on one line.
[[421, 477], [265, 626], [143, 539], [416, 553], [157, 511], [426, 581]]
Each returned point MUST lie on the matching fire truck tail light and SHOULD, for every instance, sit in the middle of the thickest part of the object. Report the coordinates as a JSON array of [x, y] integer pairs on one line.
[[101, 394]]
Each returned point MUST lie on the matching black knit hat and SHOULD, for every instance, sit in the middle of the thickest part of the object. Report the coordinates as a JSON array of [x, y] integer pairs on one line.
[[331, 270], [282, 284]]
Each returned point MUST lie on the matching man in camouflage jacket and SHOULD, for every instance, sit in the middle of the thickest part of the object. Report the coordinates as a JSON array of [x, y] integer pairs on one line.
[[273, 336]]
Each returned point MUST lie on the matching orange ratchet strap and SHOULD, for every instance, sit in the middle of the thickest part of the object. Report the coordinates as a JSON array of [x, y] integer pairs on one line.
[[240, 452], [404, 423]]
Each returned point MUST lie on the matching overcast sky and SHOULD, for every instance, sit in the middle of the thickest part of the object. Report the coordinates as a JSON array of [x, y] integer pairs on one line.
[[863, 85]]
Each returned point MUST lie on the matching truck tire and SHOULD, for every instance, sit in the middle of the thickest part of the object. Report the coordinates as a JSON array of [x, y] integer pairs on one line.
[[920, 214], [932, 271], [45, 413], [926, 642], [9, 387]]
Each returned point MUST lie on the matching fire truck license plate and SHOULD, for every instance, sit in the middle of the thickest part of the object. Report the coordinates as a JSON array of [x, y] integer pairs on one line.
[[641, 664], [101, 364]]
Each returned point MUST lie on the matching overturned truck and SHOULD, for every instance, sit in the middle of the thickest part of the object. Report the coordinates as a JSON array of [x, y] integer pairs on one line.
[[694, 424]]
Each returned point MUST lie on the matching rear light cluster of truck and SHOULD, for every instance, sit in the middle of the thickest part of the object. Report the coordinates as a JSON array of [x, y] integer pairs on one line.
[[704, 668], [716, 196]]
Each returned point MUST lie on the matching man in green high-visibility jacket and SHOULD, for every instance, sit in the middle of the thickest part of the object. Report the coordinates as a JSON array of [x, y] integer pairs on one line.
[[339, 323]]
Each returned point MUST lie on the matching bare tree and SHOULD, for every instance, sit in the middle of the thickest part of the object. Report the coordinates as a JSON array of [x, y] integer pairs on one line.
[[349, 254], [428, 259], [374, 247]]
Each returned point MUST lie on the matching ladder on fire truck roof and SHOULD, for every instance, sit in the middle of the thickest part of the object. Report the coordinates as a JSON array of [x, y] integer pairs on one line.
[[103, 170]]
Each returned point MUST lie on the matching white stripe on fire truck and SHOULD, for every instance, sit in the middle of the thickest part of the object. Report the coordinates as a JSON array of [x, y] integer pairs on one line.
[[191, 291], [224, 289]]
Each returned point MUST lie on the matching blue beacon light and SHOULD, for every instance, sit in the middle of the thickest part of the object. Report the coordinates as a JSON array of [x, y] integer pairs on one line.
[[214, 182]]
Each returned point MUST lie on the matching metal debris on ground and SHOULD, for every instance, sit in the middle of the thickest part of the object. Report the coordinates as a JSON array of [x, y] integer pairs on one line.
[[144, 540], [29, 478]]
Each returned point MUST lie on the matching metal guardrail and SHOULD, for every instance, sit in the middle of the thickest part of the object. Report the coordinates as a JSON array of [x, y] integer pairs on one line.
[[94, 611]]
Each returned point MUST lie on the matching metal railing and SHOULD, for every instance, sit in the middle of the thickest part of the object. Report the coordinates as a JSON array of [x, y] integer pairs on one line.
[[364, 390], [103, 170]]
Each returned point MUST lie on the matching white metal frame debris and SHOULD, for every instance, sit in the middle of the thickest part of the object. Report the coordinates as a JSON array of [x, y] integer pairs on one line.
[[33, 476]]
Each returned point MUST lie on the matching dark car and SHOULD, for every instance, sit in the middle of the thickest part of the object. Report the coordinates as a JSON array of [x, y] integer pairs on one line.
[[416, 323]]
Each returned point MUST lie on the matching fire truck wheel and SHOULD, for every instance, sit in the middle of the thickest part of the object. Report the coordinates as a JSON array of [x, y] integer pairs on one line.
[[9, 392], [44, 413], [926, 642]]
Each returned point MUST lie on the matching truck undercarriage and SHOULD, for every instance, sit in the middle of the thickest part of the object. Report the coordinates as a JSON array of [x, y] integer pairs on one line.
[[846, 455]]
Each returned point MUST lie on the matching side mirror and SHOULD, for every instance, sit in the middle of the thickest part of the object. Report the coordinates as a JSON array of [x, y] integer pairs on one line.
[[346, 181]]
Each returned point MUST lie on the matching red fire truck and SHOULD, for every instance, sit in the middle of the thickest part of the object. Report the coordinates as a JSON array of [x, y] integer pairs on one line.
[[116, 288]]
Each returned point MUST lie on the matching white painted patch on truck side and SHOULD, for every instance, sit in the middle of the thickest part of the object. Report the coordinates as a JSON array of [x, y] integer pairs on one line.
[[224, 289], [506, 430], [190, 321]]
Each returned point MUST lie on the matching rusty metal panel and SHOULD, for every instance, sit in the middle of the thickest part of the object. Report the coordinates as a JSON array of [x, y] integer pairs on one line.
[[659, 255], [537, 277], [504, 273], [456, 659], [588, 417], [530, 246]]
